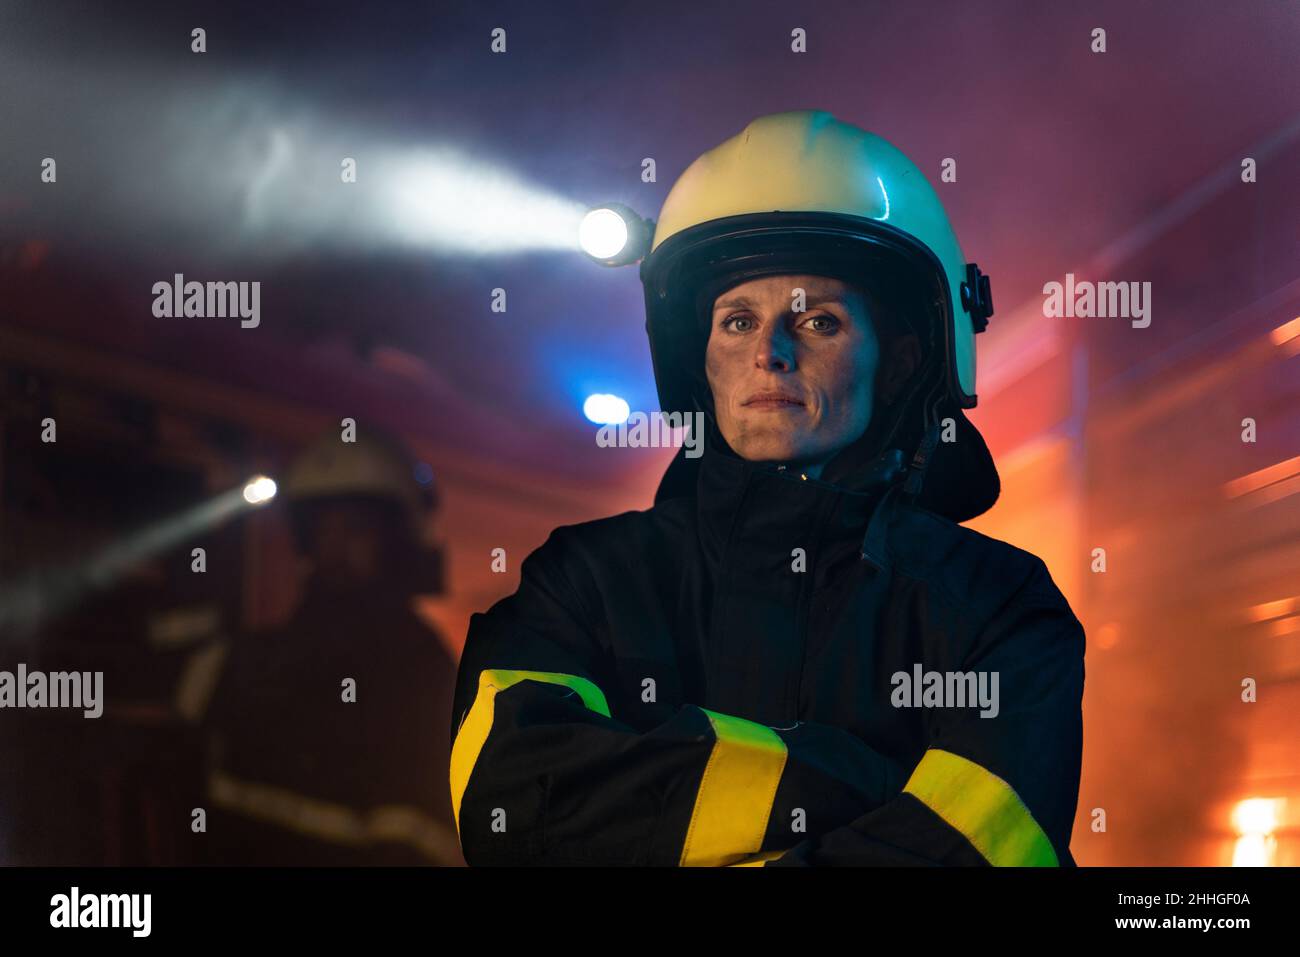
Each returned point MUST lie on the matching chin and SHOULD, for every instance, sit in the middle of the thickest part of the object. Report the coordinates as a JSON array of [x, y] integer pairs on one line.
[[776, 452]]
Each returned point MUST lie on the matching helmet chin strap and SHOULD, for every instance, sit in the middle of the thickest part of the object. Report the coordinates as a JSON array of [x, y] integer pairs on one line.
[[921, 461], [893, 435]]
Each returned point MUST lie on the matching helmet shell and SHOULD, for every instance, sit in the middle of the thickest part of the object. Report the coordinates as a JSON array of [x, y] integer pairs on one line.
[[373, 466], [804, 181]]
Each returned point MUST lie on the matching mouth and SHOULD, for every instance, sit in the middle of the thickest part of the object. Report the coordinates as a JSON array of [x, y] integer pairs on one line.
[[772, 399]]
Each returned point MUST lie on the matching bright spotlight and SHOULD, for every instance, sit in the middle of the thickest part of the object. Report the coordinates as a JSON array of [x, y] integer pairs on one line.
[[602, 233], [1253, 850], [614, 235], [1255, 820], [605, 409], [259, 490], [1255, 816]]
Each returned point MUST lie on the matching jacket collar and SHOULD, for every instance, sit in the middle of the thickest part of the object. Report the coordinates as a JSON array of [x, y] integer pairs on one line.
[[760, 503]]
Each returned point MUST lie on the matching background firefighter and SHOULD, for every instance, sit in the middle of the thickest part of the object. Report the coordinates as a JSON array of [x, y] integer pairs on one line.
[[303, 774]]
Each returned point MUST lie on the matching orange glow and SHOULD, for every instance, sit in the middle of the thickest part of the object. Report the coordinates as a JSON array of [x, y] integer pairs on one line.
[[1255, 481], [1256, 815], [1285, 332], [1253, 850], [1284, 626], [1277, 490], [1255, 819], [1273, 609]]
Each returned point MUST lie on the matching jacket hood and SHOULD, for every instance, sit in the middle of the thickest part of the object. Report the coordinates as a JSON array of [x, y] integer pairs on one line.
[[960, 482]]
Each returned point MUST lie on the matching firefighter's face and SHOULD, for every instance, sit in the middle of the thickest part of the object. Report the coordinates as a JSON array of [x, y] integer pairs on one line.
[[791, 386], [347, 545]]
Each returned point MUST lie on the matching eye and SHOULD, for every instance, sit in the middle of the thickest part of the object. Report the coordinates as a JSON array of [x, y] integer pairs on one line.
[[733, 323], [822, 323]]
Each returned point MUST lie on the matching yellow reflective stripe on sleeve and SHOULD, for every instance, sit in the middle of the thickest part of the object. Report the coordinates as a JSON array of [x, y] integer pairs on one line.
[[476, 727], [330, 821], [757, 860], [736, 792], [983, 807]]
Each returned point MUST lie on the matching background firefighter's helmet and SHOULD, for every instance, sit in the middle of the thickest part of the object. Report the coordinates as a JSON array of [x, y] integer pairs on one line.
[[803, 192], [375, 467]]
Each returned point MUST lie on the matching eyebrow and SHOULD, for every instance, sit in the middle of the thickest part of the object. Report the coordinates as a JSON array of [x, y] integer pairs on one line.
[[815, 299]]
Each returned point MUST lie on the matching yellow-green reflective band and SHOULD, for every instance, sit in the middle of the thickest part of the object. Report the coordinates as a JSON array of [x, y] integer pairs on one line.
[[476, 727], [757, 860], [736, 793], [334, 822], [983, 807]]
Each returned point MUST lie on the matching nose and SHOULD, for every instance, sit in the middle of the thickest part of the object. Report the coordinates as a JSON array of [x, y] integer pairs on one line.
[[774, 348]]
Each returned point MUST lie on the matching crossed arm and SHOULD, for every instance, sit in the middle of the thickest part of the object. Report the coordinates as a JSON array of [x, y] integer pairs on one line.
[[543, 773]]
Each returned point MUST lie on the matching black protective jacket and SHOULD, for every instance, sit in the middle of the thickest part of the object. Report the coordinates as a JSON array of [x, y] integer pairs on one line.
[[715, 681], [302, 776]]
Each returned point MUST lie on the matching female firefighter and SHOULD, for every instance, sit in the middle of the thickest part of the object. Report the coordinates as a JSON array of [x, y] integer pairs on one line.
[[717, 680]]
